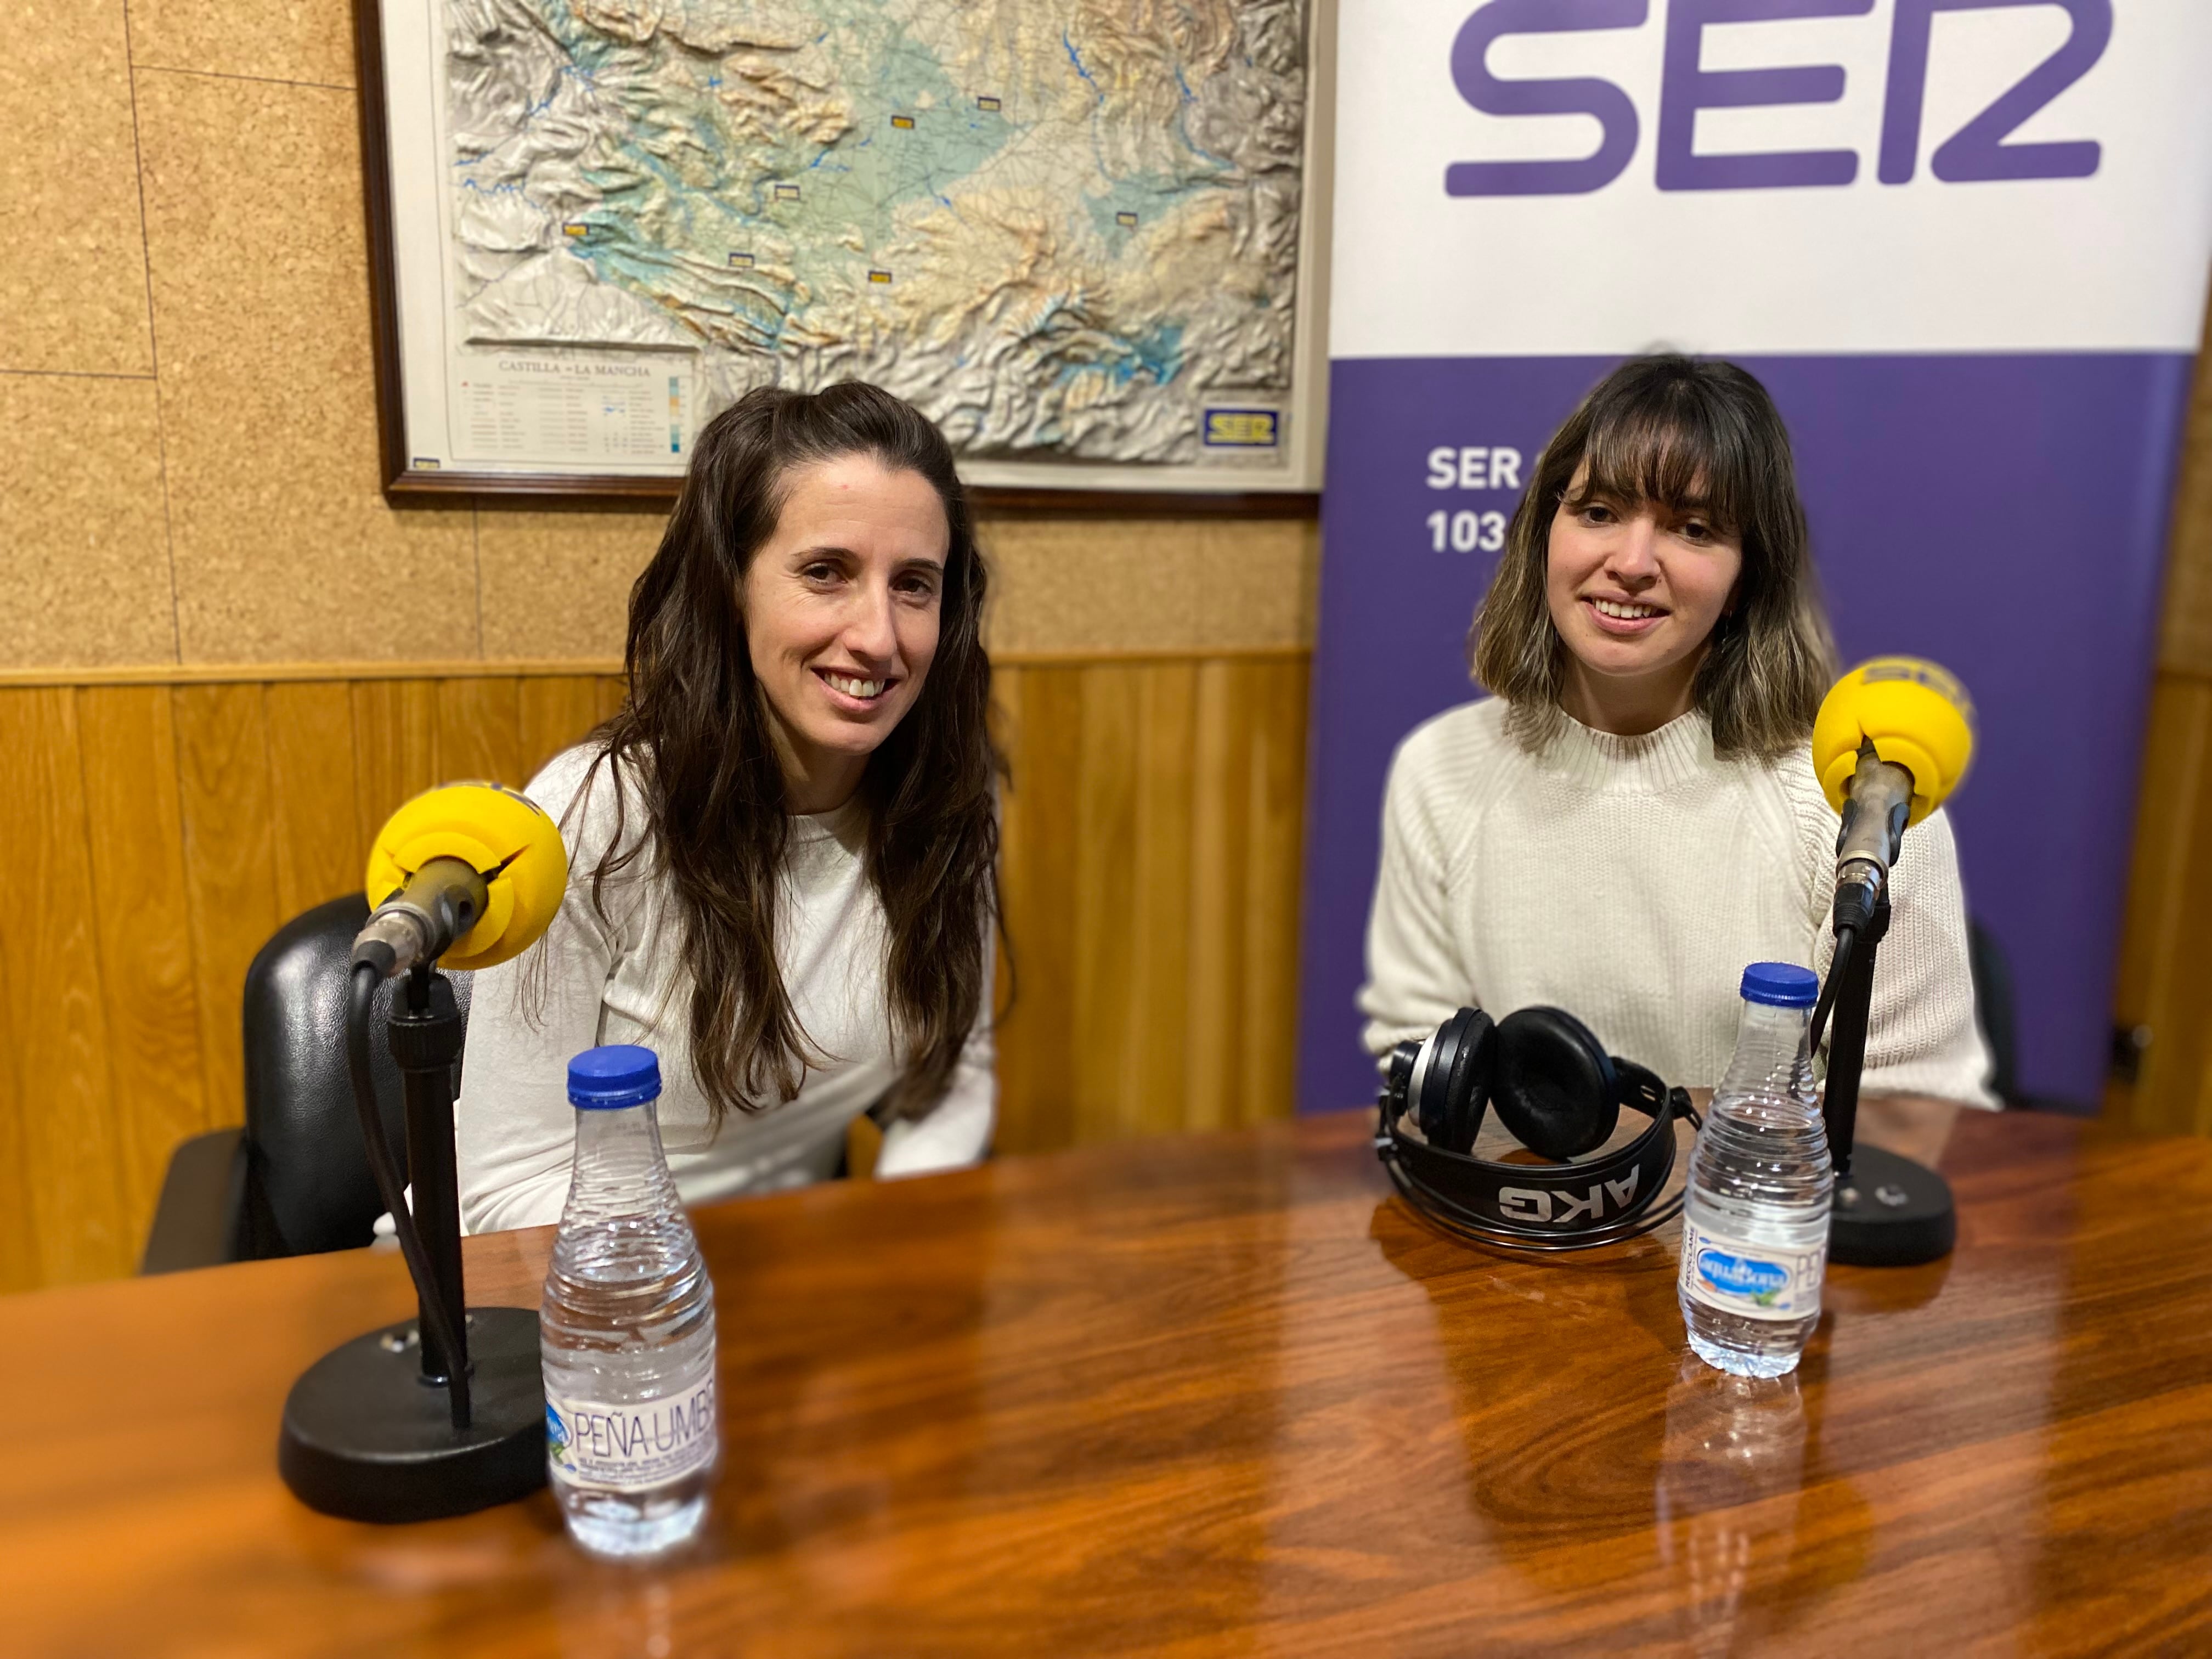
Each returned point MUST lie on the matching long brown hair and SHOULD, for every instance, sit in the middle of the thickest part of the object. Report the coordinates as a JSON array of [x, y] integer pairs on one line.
[[1686, 434], [694, 734]]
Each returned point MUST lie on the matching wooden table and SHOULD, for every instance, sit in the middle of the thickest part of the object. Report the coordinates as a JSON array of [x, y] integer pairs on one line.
[[1216, 1395]]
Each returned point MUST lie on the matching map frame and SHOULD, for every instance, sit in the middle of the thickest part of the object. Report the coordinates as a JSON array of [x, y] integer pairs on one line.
[[395, 41]]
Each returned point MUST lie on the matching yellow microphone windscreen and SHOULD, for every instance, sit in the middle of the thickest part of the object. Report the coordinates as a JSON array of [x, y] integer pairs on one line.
[[501, 834], [1915, 714]]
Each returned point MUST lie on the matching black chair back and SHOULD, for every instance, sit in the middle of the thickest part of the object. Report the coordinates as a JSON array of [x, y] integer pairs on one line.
[[1993, 1010], [308, 1187]]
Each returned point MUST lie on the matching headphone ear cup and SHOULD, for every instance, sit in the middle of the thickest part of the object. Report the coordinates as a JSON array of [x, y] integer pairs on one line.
[[1555, 1087], [1457, 1081], [1428, 1101], [1470, 1082]]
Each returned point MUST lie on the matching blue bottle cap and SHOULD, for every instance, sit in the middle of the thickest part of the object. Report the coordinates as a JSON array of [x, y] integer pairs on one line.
[[1777, 984], [618, 1074]]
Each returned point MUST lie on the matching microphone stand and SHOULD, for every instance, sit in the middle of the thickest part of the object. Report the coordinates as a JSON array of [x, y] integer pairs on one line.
[[1890, 1212], [391, 1426]]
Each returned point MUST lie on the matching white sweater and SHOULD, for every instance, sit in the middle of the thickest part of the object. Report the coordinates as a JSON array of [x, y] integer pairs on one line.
[[619, 979], [1629, 880]]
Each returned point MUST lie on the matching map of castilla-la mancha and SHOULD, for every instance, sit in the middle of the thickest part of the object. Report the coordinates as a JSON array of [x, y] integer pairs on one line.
[[1064, 228]]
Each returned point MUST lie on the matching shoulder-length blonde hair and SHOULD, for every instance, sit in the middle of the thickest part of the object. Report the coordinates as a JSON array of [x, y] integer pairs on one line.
[[1688, 435]]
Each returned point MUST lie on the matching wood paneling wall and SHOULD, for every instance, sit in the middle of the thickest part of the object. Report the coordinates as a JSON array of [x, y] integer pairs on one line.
[[1151, 867], [2164, 992], [152, 836], [2165, 987]]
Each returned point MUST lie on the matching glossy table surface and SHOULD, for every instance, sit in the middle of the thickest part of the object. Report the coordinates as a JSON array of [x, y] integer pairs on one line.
[[1215, 1395]]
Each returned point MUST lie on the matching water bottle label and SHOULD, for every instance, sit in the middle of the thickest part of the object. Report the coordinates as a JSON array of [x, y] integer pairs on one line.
[[634, 1447], [1755, 1280]]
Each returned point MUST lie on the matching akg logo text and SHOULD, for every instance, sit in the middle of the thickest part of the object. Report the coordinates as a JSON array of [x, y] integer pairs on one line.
[[1977, 152], [1535, 1204]]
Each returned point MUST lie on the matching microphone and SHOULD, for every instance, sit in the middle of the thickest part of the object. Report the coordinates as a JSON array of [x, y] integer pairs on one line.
[[471, 873], [1891, 741], [468, 875]]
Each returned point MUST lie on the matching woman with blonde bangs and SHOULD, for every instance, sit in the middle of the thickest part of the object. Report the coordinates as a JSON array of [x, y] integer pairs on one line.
[[1631, 816]]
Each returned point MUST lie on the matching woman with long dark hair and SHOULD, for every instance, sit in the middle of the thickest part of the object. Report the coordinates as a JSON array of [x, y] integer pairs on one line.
[[1631, 816], [783, 848]]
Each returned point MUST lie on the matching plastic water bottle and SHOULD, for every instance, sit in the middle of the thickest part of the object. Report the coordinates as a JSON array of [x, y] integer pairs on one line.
[[627, 1326], [1755, 1225]]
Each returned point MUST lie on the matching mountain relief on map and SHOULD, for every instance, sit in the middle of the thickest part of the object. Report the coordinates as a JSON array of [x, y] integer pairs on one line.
[[1066, 229]]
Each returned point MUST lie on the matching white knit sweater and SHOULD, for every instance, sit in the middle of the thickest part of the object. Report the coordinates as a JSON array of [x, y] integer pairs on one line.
[[619, 979], [1629, 880]]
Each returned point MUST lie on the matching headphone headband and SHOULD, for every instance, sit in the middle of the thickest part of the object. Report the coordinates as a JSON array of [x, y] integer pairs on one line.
[[1550, 1207]]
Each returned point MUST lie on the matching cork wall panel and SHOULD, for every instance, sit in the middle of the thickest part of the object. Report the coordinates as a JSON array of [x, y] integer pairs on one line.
[[183, 230], [1171, 584], [283, 547], [557, 584], [84, 556], [308, 40], [72, 265], [224, 507]]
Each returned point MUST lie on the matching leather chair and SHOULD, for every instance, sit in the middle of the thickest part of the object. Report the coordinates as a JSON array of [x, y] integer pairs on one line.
[[1993, 1011], [294, 1181]]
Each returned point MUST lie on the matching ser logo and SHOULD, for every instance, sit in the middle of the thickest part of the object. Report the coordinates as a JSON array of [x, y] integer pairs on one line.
[[1977, 152], [1559, 1208], [1241, 428]]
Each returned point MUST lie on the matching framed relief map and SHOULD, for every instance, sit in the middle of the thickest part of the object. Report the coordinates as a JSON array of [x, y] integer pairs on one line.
[[1080, 236]]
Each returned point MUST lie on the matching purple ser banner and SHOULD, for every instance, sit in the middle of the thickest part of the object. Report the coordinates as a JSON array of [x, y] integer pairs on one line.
[[2005, 515]]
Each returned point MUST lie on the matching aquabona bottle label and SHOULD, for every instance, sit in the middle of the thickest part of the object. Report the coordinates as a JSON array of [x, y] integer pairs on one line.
[[1756, 1280]]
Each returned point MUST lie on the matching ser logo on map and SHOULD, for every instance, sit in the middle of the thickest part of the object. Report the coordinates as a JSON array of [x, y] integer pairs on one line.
[[1977, 152], [1241, 429]]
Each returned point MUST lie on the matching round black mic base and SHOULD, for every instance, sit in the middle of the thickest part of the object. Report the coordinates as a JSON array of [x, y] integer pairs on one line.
[[365, 1437], [1890, 1212]]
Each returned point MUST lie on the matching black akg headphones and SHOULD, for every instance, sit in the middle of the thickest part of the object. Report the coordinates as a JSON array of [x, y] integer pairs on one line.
[[1559, 1093]]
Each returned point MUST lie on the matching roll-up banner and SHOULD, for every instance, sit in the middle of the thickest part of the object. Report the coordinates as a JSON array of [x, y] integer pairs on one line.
[[1965, 245]]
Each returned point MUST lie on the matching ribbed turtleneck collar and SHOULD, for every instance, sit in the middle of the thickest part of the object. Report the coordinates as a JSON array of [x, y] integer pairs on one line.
[[1676, 753]]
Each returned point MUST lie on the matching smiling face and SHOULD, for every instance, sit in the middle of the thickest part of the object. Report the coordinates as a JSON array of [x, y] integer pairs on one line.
[[840, 609], [1635, 589]]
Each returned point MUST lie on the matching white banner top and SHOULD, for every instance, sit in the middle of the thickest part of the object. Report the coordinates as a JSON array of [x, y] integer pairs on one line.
[[1780, 176]]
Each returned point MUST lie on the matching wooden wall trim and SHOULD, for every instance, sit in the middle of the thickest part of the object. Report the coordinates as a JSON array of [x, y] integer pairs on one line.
[[160, 830], [1139, 655], [270, 673]]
